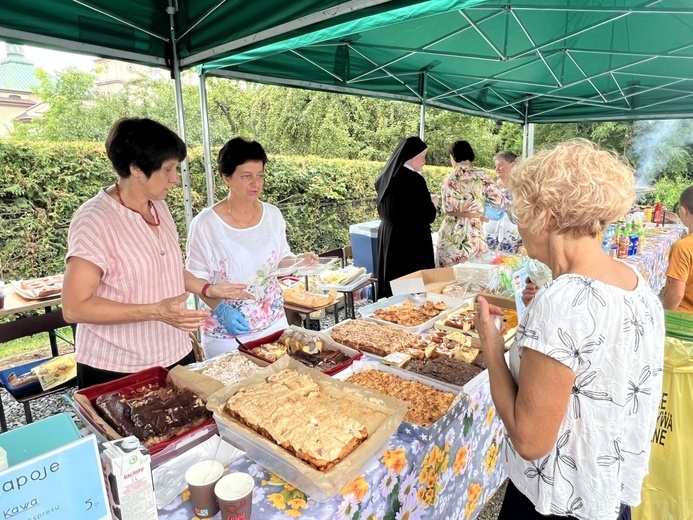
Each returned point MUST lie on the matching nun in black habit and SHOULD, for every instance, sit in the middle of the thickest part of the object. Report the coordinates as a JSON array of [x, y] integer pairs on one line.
[[406, 213]]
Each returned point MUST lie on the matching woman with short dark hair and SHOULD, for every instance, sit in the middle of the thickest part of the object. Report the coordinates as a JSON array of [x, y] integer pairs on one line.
[[464, 195], [240, 240], [124, 281]]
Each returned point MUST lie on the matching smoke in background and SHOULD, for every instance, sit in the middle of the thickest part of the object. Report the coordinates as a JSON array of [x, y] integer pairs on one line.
[[659, 146]]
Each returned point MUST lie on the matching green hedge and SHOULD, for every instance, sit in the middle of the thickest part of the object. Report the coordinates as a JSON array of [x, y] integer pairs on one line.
[[43, 184]]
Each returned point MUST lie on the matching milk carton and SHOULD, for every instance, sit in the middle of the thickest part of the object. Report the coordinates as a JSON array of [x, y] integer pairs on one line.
[[126, 464]]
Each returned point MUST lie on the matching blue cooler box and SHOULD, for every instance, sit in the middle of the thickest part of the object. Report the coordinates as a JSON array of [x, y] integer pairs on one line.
[[364, 245]]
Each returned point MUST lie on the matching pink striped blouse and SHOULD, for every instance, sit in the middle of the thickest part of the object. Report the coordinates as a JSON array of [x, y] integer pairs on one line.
[[138, 267]]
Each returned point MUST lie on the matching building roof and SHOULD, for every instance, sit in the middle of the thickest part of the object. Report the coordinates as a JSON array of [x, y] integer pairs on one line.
[[16, 72]]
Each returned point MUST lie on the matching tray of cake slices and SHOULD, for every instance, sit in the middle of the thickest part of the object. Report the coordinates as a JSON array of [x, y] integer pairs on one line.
[[371, 337], [39, 288], [462, 320], [146, 404], [433, 404], [312, 348], [414, 313], [228, 368], [310, 429]]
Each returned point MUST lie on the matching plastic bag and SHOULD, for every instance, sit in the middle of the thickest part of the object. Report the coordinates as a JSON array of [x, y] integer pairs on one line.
[[666, 490]]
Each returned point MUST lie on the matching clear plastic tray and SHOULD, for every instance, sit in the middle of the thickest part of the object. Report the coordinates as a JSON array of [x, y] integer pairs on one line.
[[346, 287], [299, 267], [460, 402], [453, 304]]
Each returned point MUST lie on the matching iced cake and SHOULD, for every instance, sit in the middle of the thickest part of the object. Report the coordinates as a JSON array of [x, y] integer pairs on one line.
[[153, 414]]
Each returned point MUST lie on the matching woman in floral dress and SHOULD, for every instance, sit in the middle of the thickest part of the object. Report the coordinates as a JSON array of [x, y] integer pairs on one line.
[[465, 193]]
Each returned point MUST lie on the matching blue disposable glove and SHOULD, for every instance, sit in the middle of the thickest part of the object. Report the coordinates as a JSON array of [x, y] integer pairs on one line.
[[232, 319]]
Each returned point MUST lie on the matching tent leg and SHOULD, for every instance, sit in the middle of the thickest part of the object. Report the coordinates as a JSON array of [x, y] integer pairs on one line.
[[524, 141], [530, 139], [180, 116], [422, 121], [206, 141]]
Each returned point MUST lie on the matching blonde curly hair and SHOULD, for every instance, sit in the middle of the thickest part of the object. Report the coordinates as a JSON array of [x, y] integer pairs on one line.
[[582, 187]]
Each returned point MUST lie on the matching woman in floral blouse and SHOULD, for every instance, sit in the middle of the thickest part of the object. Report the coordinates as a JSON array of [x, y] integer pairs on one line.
[[465, 193]]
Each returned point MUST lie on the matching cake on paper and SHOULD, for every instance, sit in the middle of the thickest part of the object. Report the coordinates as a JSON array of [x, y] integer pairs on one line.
[[408, 314], [152, 414], [371, 337], [230, 368], [289, 408]]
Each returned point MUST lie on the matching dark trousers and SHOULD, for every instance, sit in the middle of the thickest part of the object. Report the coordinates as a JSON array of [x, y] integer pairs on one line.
[[89, 376], [516, 506]]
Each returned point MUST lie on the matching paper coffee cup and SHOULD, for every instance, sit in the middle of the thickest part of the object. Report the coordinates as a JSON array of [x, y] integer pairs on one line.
[[234, 493], [201, 478]]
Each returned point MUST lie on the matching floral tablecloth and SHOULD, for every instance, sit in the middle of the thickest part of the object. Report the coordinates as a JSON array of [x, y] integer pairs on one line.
[[448, 474], [654, 259]]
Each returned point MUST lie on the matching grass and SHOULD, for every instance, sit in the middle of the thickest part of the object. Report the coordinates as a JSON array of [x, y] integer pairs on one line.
[[29, 344]]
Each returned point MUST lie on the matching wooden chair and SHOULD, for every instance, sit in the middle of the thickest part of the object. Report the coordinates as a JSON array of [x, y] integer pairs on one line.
[[26, 327], [336, 253]]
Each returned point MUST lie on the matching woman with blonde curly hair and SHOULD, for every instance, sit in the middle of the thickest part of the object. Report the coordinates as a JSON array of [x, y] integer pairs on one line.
[[580, 394]]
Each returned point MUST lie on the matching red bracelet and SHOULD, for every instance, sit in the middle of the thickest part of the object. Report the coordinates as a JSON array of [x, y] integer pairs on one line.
[[204, 290]]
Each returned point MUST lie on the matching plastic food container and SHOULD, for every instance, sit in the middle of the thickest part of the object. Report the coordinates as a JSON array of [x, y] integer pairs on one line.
[[327, 341], [156, 378], [414, 431], [24, 390], [452, 304]]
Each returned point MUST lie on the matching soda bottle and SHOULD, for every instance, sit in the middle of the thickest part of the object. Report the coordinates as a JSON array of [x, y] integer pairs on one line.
[[623, 242], [641, 238], [633, 240], [658, 215]]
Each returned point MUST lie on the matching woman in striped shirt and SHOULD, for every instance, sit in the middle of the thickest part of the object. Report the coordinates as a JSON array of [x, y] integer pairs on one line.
[[125, 284]]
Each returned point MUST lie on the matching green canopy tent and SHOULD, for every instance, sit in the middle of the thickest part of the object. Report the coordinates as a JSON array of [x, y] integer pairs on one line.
[[526, 61], [172, 33]]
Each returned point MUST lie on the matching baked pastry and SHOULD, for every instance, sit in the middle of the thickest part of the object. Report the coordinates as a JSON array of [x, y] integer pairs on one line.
[[427, 404], [151, 414], [289, 409], [371, 337], [230, 368], [408, 314], [463, 320], [44, 287], [297, 295], [446, 369], [270, 351]]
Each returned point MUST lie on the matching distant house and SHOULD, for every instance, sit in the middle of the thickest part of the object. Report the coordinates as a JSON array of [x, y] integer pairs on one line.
[[17, 77]]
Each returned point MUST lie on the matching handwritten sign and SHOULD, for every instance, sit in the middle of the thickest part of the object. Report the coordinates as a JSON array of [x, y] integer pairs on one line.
[[63, 483]]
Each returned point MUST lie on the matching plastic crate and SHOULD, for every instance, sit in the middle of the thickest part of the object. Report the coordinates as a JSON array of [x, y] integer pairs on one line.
[[250, 346], [128, 386]]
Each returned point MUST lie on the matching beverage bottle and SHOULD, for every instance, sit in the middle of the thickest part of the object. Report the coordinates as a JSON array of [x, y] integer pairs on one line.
[[623, 242], [633, 240], [641, 238], [658, 214], [608, 238], [648, 213]]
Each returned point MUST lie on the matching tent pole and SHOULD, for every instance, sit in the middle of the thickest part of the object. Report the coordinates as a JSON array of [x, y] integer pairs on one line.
[[422, 116], [525, 135], [180, 116], [530, 139], [206, 141]]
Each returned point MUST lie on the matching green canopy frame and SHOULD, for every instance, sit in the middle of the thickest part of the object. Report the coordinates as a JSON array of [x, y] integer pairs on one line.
[[523, 61]]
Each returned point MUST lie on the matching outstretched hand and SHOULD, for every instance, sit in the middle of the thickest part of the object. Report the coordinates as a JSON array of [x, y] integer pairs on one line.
[[173, 312], [490, 335]]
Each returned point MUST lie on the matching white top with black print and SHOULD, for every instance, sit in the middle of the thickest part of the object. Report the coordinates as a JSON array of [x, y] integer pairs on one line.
[[613, 340]]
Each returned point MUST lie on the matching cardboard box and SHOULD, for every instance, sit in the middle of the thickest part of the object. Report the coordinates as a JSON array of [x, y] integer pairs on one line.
[[426, 280], [127, 468], [499, 301]]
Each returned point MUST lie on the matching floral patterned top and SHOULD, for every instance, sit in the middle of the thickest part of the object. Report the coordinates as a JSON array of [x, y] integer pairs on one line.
[[465, 189], [222, 254], [613, 340]]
